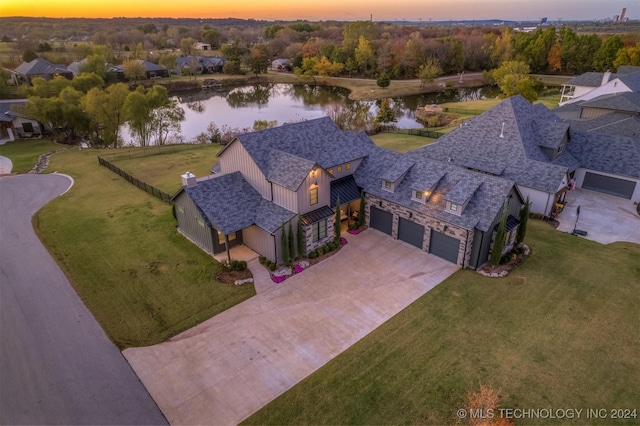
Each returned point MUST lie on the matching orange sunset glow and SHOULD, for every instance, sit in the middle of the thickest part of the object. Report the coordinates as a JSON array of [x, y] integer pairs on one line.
[[325, 10]]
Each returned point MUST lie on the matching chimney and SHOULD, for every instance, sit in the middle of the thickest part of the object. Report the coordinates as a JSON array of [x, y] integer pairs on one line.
[[189, 180], [605, 77]]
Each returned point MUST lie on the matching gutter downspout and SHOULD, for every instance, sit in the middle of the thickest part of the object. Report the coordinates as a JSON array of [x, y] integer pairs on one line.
[[464, 254], [481, 241], [226, 245]]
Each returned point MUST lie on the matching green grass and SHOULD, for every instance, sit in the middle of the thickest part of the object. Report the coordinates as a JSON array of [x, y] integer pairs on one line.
[[119, 248], [163, 171], [561, 331], [399, 141], [24, 153]]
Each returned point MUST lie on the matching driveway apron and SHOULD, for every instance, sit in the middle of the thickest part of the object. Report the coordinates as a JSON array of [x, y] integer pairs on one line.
[[225, 369], [57, 366]]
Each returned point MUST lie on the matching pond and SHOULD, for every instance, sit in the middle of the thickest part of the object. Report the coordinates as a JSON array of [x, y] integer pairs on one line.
[[241, 107]]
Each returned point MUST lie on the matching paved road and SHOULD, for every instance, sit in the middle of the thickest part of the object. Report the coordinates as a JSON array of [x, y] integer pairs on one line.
[[228, 367], [57, 366]]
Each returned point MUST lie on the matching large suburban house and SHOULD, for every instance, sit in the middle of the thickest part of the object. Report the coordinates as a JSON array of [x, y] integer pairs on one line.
[[302, 171], [198, 65], [27, 71], [593, 84]]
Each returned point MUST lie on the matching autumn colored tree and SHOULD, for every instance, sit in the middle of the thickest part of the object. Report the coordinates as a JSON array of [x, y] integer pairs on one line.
[[386, 117], [428, 71], [134, 70], [106, 110], [554, 58], [628, 56], [324, 67], [365, 56]]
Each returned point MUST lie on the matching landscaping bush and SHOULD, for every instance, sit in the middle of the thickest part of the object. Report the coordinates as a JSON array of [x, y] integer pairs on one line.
[[320, 251], [353, 226], [312, 255], [272, 266], [238, 265], [383, 81], [326, 249], [262, 260]]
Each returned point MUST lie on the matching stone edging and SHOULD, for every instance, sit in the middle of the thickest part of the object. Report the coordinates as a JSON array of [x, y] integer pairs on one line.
[[43, 161], [504, 272]]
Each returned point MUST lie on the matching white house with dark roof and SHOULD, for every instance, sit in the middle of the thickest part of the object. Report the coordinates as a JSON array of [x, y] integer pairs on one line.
[[14, 123], [585, 87], [266, 179]]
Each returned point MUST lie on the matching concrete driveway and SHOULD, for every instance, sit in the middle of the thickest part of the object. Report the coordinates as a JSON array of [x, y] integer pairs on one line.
[[5, 165], [606, 218], [228, 367], [57, 366]]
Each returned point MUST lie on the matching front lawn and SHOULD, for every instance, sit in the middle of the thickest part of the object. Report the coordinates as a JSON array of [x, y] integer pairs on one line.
[[164, 170], [119, 248], [400, 142], [24, 153], [559, 332]]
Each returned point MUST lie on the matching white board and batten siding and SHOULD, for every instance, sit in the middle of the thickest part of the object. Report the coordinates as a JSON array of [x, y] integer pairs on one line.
[[324, 192], [236, 158], [260, 241], [285, 197]]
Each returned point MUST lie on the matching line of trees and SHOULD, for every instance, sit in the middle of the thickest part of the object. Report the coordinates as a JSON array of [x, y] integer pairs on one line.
[[83, 109]]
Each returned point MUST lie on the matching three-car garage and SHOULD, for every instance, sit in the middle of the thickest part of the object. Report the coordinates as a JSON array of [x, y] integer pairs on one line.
[[440, 244]]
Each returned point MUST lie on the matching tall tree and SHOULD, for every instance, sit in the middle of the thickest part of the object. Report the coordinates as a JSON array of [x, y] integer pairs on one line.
[[498, 241], [512, 78], [166, 121], [428, 71], [134, 70], [291, 241], [213, 37], [302, 244], [628, 56], [386, 116], [365, 56], [186, 45], [337, 222], [106, 109], [524, 218], [284, 243], [605, 57], [139, 110]]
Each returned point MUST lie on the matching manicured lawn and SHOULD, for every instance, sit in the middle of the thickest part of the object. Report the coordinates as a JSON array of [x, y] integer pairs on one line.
[[164, 170], [561, 331], [118, 246], [25, 152], [400, 142]]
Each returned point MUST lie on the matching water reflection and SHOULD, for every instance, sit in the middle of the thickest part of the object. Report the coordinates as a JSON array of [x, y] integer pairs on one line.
[[240, 107]]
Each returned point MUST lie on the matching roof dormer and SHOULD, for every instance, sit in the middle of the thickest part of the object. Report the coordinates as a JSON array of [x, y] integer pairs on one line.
[[460, 195], [391, 176], [422, 188]]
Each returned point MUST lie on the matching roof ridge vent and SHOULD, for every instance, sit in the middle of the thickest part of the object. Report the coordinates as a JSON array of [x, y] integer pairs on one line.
[[502, 131]]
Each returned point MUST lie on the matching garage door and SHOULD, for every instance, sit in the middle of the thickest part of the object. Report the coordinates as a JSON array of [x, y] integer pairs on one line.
[[444, 246], [609, 185], [410, 232], [381, 220]]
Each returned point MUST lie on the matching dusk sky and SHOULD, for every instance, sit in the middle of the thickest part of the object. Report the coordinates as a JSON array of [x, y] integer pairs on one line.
[[328, 9]]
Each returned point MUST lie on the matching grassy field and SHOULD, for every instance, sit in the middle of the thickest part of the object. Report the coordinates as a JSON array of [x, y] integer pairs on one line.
[[561, 331], [163, 171], [118, 246], [24, 153], [551, 101], [399, 141]]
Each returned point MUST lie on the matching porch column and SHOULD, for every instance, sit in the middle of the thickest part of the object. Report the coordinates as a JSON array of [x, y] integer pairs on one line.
[[226, 246]]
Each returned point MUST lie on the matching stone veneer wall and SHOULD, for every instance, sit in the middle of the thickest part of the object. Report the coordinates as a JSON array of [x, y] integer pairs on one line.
[[428, 222], [308, 236]]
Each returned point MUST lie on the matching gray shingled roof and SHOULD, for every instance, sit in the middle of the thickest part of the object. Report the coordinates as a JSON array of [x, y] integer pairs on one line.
[[589, 79], [616, 123], [427, 181], [319, 140], [516, 155], [287, 170], [606, 153], [39, 66], [8, 108], [632, 81], [396, 170], [625, 101], [462, 191], [316, 215], [229, 203], [482, 209], [628, 69]]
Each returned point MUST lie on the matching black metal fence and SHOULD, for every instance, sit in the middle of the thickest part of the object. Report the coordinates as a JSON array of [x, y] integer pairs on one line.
[[464, 111], [415, 132], [158, 193], [151, 150]]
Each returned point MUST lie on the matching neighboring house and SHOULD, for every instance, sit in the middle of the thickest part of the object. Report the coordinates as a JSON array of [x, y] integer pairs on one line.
[[75, 68], [152, 70], [202, 46], [605, 139], [27, 71], [514, 140], [266, 179], [280, 64], [14, 124], [201, 64], [590, 85]]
